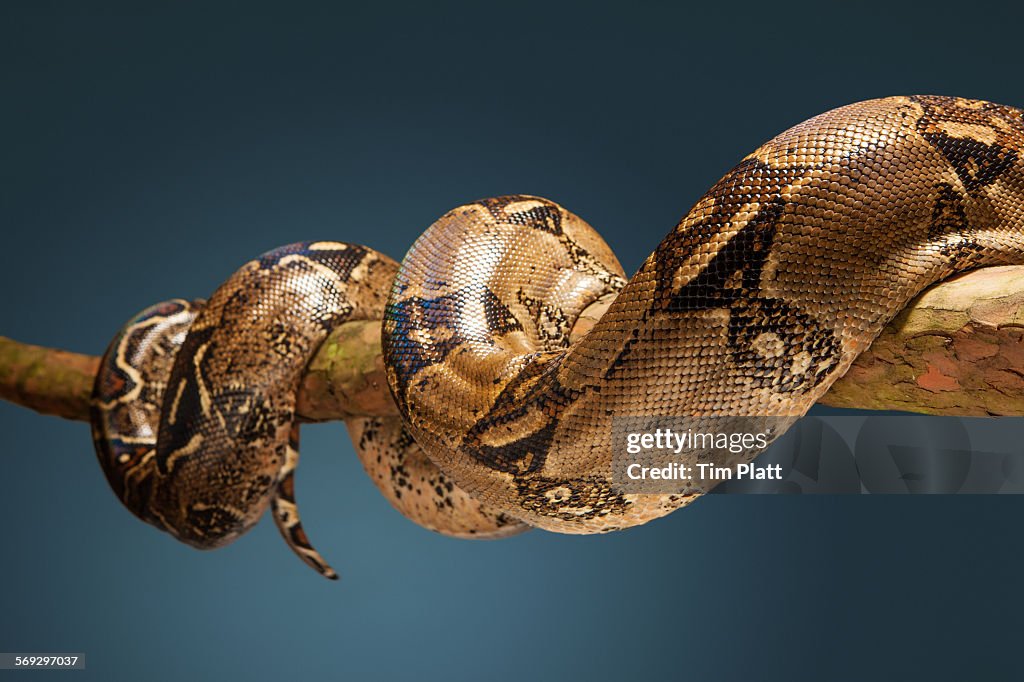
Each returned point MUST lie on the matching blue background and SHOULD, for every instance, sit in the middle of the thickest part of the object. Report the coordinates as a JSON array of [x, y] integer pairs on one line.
[[147, 152]]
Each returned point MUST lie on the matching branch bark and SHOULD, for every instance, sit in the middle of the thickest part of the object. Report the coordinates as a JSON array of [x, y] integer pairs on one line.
[[958, 349], [46, 380]]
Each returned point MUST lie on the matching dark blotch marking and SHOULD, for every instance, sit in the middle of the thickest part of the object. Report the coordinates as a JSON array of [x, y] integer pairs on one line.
[[977, 164], [212, 522], [189, 412], [949, 215], [591, 492], [735, 271], [445, 312], [732, 280], [798, 333], [750, 180], [535, 388], [546, 217], [964, 253]]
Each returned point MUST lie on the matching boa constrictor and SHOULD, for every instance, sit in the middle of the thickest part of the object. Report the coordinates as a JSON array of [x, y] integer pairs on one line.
[[759, 299], [194, 405]]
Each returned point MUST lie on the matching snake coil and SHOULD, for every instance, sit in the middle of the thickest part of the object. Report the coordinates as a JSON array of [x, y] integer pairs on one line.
[[759, 299]]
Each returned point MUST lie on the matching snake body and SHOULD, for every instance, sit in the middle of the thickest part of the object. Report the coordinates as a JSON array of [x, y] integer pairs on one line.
[[194, 405], [759, 299]]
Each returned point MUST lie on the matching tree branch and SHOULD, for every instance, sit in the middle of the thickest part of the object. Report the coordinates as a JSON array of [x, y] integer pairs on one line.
[[46, 380], [958, 349]]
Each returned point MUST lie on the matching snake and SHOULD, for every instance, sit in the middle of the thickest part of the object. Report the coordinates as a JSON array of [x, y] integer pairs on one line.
[[759, 299], [193, 406]]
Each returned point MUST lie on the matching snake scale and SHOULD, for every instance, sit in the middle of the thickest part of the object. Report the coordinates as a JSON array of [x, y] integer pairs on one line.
[[754, 304]]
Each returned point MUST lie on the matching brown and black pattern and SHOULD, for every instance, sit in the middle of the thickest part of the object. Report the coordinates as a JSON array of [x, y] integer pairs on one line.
[[286, 511], [517, 209], [228, 413], [194, 406], [414, 486], [441, 313], [753, 305], [976, 138], [573, 500], [128, 396]]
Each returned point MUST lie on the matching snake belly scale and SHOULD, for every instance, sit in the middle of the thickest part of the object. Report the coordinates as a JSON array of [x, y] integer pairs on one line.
[[759, 299]]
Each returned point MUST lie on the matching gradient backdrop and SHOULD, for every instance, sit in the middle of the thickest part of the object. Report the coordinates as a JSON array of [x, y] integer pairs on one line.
[[146, 153]]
